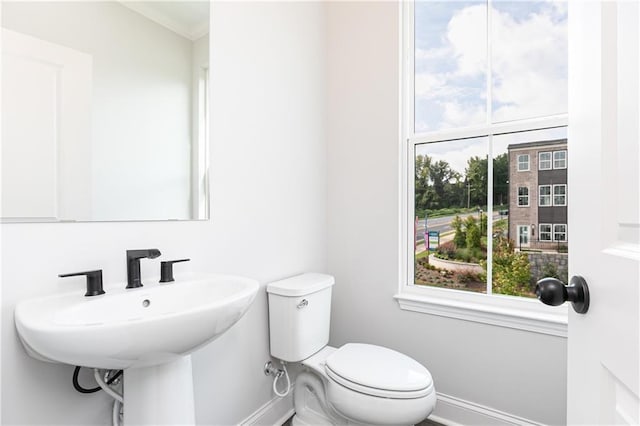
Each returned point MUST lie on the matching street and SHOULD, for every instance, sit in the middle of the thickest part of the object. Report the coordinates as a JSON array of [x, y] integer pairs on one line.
[[443, 223]]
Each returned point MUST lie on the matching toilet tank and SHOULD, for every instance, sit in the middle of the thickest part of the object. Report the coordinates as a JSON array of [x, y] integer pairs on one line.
[[299, 315]]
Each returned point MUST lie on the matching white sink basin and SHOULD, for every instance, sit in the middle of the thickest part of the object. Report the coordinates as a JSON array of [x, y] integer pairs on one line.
[[125, 328]]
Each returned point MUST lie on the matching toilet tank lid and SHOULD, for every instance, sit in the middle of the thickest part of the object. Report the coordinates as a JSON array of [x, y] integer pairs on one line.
[[301, 285]]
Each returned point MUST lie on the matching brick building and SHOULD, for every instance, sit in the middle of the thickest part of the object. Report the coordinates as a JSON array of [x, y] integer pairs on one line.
[[538, 194]]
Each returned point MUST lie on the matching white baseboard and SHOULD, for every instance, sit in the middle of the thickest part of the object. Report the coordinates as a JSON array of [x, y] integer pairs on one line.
[[273, 413], [452, 411]]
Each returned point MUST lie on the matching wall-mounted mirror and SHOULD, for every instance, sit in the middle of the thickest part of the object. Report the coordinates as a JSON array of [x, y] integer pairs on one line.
[[104, 110]]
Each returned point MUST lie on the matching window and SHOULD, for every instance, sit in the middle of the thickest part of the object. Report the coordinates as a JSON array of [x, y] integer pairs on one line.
[[469, 128], [560, 232], [560, 160], [523, 196], [544, 195], [560, 195], [544, 232], [544, 161], [523, 162]]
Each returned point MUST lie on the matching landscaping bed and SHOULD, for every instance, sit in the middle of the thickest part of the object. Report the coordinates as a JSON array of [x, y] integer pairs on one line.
[[429, 275]]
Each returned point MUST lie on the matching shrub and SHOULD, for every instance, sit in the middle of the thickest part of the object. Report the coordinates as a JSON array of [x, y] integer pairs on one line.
[[467, 277], [446, 250], [460, 237], [474, 236], [511, 269]]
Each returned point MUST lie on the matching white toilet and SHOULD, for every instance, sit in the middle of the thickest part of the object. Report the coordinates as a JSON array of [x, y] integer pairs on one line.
[[354, 384]]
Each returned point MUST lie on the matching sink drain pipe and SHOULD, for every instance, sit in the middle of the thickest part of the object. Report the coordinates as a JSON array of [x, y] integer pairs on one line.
[[104, 384], [270, 370], [118, 400]]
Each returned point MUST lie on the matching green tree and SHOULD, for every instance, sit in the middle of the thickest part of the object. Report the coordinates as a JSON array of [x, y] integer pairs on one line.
[[473, 237], [422, 187], [501, 179], [476, 180]]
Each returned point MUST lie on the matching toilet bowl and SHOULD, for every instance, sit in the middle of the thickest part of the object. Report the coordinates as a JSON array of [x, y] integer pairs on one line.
[[355, 384]]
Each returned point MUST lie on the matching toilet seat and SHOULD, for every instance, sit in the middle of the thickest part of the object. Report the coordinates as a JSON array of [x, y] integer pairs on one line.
[[378, 371]]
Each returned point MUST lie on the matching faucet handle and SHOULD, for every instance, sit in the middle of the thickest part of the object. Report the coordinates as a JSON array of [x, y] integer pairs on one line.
[[166, 269], [94, 281]]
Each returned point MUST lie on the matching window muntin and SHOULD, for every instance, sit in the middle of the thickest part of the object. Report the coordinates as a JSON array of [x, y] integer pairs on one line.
[[560, 195], [544, 232], [560, 159], [523, 196], [544, 196], [560, 232], [544, 161], [523, 162]]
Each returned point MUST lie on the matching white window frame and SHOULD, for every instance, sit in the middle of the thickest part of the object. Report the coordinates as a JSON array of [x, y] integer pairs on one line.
[[528, 196], [494, 309], [550, 195], [528, 162], [564, 160], [540, 160], [553, 194], [550, 232], [562, 232]]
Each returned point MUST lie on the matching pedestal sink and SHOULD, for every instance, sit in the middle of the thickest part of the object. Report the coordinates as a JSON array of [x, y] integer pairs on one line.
[[149, 332]]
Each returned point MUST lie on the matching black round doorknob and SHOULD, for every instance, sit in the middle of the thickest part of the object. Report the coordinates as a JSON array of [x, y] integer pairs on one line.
[[552, 291]]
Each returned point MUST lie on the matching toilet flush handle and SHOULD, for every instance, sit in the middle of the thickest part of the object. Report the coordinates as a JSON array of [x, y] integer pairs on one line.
[[303, 304]]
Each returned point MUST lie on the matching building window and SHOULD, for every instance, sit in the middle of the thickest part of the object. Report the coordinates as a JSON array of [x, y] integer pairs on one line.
[[560, 232], [544, 195], [560, 160], [560, 195], [544, 232], [544, 161], [523, 162], [523, 196]]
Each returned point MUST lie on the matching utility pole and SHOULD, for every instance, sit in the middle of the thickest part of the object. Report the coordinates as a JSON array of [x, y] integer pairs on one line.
[[468, 193]]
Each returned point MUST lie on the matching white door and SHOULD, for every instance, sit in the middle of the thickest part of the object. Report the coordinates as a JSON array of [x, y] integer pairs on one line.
[[604, 135], [46, 130], [523, 235]]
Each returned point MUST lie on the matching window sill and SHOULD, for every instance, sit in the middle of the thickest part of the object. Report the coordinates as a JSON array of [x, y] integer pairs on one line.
[[503, 311]]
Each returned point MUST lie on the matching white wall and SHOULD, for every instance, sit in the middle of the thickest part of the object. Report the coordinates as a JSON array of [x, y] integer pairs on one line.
[[517, 372], [141, 104], [268, 219]]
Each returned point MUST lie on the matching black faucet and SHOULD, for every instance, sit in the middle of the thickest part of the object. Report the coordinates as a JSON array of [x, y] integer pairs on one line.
[[94, 281], [133, 265]]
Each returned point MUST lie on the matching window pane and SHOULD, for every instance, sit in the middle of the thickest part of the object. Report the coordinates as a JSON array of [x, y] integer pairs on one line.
[[560, 160], [544, 198], [526, 244], [559, 195], [528, 59], [523, 196], [544, 161], [450, 61], [523, 163], [451, 221]]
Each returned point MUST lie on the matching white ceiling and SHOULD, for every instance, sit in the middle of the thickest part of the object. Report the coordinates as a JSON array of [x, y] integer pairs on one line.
[[190, 19]]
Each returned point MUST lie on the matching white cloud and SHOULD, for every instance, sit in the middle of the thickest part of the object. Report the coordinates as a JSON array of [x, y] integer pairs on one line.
[[467, 43], [529, 57]]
